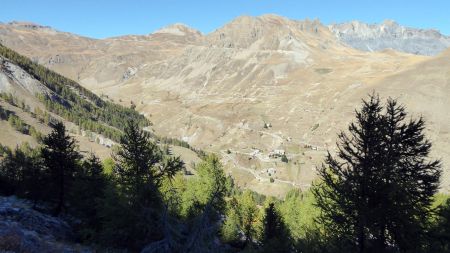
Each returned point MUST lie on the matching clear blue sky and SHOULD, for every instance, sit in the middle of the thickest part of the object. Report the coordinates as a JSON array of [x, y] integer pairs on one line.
[[102, 18]]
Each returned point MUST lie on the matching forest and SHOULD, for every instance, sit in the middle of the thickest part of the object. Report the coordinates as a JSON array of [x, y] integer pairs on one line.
[[377, 193]]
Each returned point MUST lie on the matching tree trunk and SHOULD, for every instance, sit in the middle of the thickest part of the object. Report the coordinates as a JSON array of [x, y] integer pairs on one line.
[[60, 205], [361, 239], [381, 242]]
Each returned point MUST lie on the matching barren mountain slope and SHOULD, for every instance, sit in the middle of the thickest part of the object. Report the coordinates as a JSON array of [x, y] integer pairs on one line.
[[258, 85], [425, 91]]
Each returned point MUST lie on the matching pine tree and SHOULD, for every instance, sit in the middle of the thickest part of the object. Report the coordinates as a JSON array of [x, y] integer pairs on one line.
[[61, 160], [408, 178], [275, 235], [230, 228], [378, 190], [140, 167], [137, 163], [272, 223]]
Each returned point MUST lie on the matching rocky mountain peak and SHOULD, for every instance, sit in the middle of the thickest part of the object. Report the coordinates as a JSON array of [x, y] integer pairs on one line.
[[390, 34], [269, 31], [390, 22], [178, 29]]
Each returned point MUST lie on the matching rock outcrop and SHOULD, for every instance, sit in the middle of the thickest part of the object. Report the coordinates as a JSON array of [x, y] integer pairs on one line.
[[23, 229]]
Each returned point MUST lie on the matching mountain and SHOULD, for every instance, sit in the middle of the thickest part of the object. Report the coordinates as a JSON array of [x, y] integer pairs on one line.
[[179, 29], [251, 90], [389, 34]]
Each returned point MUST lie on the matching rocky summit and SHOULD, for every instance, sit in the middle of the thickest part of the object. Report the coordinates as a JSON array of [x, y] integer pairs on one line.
[[390, 35]]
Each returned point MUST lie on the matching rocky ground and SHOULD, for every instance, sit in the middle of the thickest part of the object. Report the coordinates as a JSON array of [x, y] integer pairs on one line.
[[23, 229]]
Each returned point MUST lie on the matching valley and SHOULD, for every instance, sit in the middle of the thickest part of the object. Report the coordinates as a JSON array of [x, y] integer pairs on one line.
[[225, 127], [255, 86]]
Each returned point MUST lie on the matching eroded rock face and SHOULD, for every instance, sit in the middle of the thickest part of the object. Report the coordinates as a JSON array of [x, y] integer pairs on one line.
[[14, 79], [391, 35], [23, 229]]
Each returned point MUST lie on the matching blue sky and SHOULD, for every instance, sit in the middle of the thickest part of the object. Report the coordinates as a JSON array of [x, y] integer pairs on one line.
[[101, 18]]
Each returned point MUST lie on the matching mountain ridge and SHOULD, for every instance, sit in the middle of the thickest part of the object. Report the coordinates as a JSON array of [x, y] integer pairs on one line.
[[353, 33], [390, 34]]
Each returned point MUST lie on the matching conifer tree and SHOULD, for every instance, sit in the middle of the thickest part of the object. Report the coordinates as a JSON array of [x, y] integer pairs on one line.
[[61, 160], [140, 167], [275, 235], [377, 192]]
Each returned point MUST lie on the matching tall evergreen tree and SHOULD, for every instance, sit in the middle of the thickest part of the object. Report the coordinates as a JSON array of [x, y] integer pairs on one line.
[[141, 166], [272, 223], [275, 235], [139, 170], [377, 192], [408, 178], [61, 160]]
